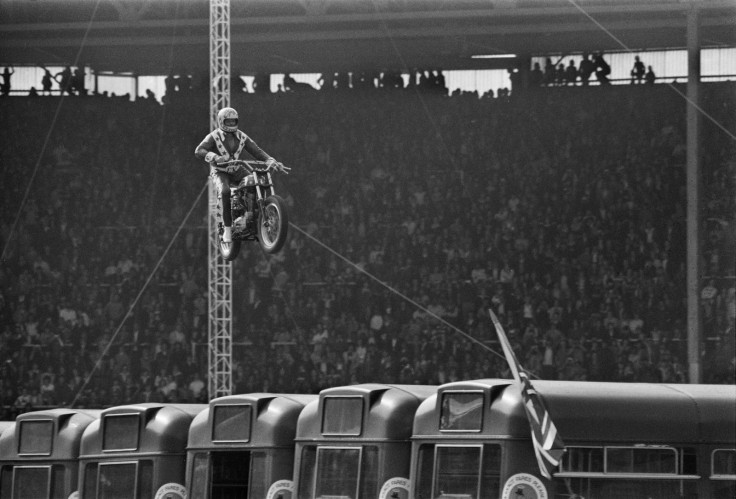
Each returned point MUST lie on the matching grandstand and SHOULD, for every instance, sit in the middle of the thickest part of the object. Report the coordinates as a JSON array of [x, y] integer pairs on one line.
[[561, 206]]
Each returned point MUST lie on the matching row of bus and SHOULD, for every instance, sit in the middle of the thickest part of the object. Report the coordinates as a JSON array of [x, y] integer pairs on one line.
[[461, 440]]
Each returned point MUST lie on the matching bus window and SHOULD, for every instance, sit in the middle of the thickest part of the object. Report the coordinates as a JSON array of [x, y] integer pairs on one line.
[[723, 474], [57, 482], [200, 476], [456, 472], [31, 481], [724, 464], [306, 472], [231, 423], [116, 480], [90, 480], [663, 472], [36, 437], [461, 411], [6, 481], [648, 460], [258, 475], [490, 485], [120, 432], [145, 479], [425, 471], [369, 473], [230, 474], [342, 416], [583, 459], [337, 472]]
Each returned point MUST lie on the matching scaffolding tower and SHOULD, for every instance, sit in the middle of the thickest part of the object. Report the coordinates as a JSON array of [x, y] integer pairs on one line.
[[220, 337]]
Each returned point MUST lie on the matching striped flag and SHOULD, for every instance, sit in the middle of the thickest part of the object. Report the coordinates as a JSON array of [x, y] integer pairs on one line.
[[548, 446]]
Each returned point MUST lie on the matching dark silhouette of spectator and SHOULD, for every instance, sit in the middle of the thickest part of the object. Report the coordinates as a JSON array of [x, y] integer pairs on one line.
[[237, 84], [602, 69], [64, 79], [170, 85], [550, 72], [586, 68], [46, 82], [536, 76], [342, 80], [291, 85], [515, 78], [7, 73], [327, 81], [438, 81], [571, 73], [650, 77], [262, 83], [77, 82], [638, 71], [560, 75]]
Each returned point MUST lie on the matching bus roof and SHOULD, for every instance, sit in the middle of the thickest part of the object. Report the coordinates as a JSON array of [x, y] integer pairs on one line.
[[141, 428], [596, 411], [55, 434], [272, 423], [378, 411]]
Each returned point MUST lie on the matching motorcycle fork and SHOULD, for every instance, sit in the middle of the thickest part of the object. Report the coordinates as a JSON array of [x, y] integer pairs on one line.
[[261, 195]]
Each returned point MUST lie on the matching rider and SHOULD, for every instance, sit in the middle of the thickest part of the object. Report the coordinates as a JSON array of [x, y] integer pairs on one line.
[[224, 144]]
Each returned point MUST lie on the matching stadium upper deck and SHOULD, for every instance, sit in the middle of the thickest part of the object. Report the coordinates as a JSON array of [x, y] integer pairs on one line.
[[311, 36]]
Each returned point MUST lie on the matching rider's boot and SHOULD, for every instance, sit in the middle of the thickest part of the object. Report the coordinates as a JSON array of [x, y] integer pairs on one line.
[[227, 236]]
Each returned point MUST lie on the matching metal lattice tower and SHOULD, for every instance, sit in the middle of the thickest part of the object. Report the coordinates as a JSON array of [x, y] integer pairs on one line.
[[220, 337]]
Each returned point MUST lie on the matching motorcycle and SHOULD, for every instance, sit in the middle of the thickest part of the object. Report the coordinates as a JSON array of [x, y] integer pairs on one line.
[[258, 213]]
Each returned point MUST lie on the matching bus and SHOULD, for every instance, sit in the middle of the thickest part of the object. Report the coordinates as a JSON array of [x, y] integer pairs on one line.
[[354, 442], [137, 452], [39, 451], [243, 446], [472, 439]]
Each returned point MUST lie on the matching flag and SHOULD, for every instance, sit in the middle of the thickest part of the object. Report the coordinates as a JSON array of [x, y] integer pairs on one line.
[[548, 445]]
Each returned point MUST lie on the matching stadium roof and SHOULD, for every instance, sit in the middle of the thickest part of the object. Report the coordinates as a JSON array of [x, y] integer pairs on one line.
[[153, 37]]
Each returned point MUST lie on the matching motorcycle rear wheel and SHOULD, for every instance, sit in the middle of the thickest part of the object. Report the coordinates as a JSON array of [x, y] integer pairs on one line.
[[273, 223], [229, 251]]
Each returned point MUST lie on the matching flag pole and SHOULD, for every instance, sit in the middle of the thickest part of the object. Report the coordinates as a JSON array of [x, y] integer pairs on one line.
[[548, 445]]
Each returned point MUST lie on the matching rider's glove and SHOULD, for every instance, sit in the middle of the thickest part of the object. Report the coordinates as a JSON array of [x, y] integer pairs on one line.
[[272, 163], [212, 157]]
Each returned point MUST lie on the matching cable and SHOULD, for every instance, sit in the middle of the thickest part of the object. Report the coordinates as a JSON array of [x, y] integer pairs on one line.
[[629, 50], [397, 292], [48, 137], [140, 293]]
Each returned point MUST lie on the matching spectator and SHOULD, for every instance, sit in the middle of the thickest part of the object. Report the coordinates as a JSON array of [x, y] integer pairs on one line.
[[571, 73], [64, 79], [638, 71], [46, 82], [650, 77], [556, 249], [587, 68], [7, 73], [602, 69]]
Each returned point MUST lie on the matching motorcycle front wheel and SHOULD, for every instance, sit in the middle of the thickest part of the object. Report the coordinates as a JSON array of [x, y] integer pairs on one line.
[[273, 223], [229, 251]]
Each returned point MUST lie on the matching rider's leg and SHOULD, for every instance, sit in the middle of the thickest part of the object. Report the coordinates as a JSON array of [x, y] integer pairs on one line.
[[223, 188]]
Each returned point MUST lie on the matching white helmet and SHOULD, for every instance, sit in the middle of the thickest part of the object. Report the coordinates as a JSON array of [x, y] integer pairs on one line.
[[227, 120]]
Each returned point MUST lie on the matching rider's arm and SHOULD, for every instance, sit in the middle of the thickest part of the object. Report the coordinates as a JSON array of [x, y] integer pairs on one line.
[[252, 148], [206, 149]]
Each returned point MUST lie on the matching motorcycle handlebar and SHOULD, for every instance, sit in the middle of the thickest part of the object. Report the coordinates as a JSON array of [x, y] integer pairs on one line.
[[250, 165]]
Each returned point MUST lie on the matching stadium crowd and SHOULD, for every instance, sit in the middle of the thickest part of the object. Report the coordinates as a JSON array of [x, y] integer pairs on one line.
[[562, 209]]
